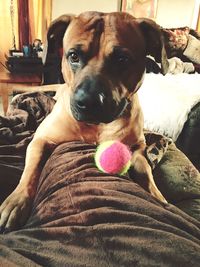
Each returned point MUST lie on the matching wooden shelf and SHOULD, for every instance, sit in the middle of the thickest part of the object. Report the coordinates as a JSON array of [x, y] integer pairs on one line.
[[16, 81]]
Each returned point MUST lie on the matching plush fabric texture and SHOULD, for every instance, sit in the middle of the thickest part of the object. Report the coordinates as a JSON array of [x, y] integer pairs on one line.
[[179, 181], [82, 217], [167, 100], [26, 112], [177, 66]]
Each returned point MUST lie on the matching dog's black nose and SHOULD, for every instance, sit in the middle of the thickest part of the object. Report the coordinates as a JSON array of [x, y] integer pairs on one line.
[[91, 94], [85, 101]]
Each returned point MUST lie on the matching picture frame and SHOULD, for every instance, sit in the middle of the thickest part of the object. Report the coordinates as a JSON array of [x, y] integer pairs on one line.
[[140, 8]]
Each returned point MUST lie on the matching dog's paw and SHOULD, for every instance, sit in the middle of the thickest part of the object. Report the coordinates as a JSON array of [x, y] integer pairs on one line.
[[14, 211], [153, 190]]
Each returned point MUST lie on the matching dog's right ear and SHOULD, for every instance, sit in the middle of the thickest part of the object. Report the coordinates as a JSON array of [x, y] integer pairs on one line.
[[55, 34], [154, 42]]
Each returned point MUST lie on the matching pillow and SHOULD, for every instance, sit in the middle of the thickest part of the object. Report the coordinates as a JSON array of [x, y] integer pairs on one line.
[[192, 51], [175, 39]]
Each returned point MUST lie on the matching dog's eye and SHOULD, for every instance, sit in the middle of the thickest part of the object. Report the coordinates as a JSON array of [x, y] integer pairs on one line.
[[74, 58]]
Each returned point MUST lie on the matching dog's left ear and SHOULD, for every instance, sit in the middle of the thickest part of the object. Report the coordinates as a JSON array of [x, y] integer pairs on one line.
[[154, 42]]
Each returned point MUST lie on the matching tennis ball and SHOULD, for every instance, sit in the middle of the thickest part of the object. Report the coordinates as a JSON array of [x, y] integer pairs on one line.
[[113, 157]]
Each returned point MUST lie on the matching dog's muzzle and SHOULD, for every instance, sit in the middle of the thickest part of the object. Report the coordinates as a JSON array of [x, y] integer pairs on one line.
[[91, 103]]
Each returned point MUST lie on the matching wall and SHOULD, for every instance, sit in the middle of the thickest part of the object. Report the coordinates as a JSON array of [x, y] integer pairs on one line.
[[6, 38], [177, 13], [60, 7], [170, 13]]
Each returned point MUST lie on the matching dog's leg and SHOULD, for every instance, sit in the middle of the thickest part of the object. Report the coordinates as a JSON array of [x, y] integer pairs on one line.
[[15, 210], [143, 174]]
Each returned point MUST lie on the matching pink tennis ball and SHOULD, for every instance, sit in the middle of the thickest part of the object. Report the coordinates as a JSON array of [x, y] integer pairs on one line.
[[113, 157]]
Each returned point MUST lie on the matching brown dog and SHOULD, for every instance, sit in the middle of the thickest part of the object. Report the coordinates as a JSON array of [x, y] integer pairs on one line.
[[103, 65]]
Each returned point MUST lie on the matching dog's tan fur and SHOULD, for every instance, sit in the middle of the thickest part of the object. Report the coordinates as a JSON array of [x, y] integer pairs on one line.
[[139, 38]]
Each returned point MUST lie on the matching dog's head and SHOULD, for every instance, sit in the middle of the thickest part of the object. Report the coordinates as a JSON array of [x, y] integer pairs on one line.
[[103, 60]]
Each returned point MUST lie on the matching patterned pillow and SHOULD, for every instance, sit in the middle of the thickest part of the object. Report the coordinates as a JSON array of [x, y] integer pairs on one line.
[[176, 38], [157, 146]]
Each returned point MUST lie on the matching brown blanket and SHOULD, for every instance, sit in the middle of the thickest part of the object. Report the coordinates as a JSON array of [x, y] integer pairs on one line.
[[25, 113], [82, 217]]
